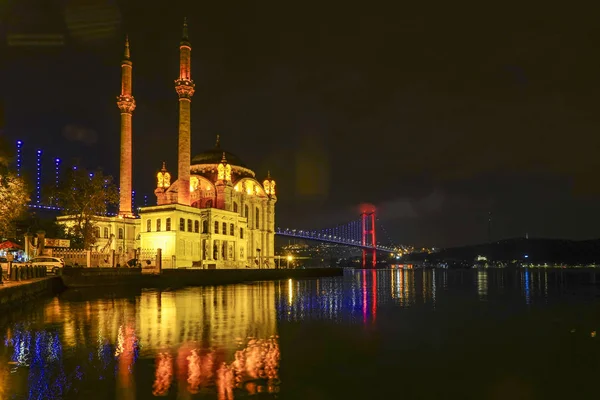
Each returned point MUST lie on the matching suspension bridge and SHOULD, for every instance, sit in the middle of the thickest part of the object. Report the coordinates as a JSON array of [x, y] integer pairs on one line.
[[359, 233]]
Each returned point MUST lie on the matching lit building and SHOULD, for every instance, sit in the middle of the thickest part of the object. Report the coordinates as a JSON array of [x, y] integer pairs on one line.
[[229, 222], [111, 233], [216, 214]]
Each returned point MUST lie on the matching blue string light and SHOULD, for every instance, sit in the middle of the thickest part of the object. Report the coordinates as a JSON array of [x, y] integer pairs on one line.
[[19, 146], [38, 187]]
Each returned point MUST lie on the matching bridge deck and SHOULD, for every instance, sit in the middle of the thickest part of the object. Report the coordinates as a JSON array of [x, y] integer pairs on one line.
[[318, 237]]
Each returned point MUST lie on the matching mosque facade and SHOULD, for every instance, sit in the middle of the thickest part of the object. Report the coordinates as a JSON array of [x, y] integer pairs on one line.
[[215, 215]]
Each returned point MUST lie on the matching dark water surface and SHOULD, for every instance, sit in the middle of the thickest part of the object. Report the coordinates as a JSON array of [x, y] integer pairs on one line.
[[385, 334]]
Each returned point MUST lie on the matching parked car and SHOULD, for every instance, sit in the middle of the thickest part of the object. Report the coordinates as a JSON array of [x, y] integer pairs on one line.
[[52, 264]]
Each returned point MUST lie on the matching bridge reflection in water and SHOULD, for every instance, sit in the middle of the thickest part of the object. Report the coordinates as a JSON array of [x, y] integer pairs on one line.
[[222, 342], [211, 341]]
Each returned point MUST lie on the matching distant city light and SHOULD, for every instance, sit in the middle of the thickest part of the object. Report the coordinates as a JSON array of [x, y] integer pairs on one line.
[[56, 170], [38, 185], [52, 202], [19, 146]]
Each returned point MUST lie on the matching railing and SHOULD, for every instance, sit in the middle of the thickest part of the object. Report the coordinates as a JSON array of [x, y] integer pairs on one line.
[[72, 256], [151, 260], [20, 272], [100, 259], [88, 258]]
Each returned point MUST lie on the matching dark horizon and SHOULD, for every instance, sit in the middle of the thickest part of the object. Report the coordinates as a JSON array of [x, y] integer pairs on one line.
[[436, 115]]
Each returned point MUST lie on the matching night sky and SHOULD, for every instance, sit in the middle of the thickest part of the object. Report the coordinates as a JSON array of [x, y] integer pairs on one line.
[[436, 112]]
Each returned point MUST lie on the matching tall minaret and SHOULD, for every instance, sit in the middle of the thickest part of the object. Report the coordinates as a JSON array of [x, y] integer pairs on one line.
[[185, 89], [126, 104]]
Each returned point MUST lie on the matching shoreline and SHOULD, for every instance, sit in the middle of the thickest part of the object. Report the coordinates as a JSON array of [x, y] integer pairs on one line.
[[174, 278], [17, 294]]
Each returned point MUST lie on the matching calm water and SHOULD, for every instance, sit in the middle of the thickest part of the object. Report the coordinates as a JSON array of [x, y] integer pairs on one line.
[[386, 334]]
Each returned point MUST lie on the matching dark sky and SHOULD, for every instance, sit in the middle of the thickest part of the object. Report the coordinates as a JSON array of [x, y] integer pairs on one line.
[[437, 112]]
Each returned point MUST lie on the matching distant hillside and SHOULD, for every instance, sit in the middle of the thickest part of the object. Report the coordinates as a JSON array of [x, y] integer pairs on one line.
[[530, 250]]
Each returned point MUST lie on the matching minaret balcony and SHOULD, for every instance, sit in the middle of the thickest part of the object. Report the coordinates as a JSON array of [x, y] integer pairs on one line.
[[126, 104], [184, 88]]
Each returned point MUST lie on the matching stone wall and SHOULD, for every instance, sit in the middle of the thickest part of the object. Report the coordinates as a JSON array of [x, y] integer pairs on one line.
[[190, 277], [87, 277], [16, 295]]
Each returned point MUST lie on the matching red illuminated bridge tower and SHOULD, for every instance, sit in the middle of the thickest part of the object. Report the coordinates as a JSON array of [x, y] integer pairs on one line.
[[369, 253]]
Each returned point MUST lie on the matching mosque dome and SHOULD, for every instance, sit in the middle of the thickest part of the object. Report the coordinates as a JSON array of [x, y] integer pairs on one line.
[[215, 155]]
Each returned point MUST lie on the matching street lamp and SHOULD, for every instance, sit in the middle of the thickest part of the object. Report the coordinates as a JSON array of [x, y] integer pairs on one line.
[[289, 258]]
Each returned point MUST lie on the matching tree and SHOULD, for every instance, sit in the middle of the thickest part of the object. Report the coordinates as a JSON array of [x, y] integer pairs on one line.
[[14, 195], [84, 196]]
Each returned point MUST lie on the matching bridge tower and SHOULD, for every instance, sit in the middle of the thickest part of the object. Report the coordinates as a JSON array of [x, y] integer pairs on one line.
[[369, 255]]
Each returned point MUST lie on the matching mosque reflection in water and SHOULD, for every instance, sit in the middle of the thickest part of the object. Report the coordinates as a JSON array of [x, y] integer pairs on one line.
[[219, 342], [215, 341]]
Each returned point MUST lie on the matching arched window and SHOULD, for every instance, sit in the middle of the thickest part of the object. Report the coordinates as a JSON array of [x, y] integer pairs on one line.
[[257, 218], [241, 233], [224, 228], [149, 225], [231, 230], [215, 250], [189, 225], [235, 207], [205, 226], [158, 224], [168, 224], [181, 224], [97, 232], [208, 204], [106, 233], [246, 211], [120, 233], [196, 226], [216, 227]]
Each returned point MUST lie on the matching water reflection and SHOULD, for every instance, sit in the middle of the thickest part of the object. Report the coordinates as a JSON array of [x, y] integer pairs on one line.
[[218, 341], [361, 293], [222, 342], [482, 284]]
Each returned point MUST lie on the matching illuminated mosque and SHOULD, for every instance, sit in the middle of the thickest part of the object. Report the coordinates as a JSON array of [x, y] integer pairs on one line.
[[215, 215]]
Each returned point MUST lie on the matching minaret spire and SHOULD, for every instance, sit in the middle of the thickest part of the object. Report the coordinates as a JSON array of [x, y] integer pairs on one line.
[[185, 37], [184, 86], [127, 54], [126, 104]]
